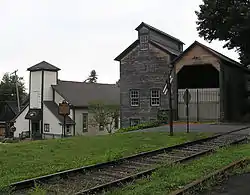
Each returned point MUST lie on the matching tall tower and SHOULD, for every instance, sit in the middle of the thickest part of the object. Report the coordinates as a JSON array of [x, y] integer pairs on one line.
[[42, 76]]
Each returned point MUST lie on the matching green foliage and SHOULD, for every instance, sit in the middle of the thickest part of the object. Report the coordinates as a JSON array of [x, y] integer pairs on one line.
[[37, 190], [8, 88], [92, 77], [227, 21], [26, 160], [162, 116], [169, 178], [140, 126], [103, 114]]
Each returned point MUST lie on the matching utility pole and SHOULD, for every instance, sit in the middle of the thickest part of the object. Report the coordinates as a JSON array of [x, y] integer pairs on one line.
[[17, 91]]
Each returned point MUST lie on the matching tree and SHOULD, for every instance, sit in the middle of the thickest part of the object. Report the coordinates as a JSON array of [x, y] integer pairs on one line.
[[8, 88], [92, 77], [227, 21], [104, 115]]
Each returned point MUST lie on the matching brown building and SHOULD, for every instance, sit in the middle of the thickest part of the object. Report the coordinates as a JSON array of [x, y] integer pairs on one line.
[[217, 84], [143, 69]]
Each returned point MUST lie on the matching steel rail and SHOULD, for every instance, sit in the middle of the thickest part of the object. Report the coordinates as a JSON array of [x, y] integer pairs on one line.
[[29, 183]]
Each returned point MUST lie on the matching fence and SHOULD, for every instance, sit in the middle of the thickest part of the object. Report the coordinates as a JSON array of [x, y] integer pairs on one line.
[[204, 104]]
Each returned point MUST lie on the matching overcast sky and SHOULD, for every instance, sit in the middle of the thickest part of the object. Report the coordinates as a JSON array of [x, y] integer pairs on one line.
[[79, 35]]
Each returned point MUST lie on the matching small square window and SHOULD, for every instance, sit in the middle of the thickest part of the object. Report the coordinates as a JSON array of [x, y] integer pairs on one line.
[[155, 97], [134, 97], [134, 122], [46, 127]]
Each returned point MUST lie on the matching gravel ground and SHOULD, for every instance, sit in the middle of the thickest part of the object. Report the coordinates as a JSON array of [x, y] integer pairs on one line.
[[236, 185]]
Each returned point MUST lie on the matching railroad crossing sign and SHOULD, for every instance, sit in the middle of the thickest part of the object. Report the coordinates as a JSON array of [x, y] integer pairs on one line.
[[165, 89], [186, 97]]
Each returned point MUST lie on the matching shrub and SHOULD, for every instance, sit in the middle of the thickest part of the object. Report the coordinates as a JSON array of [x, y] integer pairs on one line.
[[140, 126], [162, 116]]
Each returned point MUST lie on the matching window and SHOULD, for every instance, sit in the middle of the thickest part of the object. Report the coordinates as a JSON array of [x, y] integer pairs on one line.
[[46, 127], [155, 97], [134, 122], [68, 129], [144, 42], [84, 122], [116, 122], [134, 97]]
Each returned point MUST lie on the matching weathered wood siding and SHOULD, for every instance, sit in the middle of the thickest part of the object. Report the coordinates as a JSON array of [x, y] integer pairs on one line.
[[235, 93], [167, 42]]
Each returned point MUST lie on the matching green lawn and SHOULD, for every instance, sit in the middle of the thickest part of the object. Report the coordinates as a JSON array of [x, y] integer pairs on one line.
[[31, 159], [168, 179]]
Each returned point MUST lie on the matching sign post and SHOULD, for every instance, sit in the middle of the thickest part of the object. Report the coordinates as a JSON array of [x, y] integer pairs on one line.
[[187, 98], [168, 89], [64, 110]]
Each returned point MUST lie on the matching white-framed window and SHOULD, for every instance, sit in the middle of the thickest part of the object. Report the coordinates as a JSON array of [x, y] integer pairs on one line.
[[134, 122], [134, 97], [155, 97], [84, 122], [68, 129], [46, 127], [144, 42]]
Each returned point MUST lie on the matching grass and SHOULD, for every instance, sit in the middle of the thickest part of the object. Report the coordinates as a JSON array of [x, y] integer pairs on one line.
[[19, 161], [167, 179]]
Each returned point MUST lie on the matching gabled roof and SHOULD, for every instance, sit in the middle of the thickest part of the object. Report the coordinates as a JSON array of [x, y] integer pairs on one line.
[[164, 48], [13, 106], [215, 53], [156, 44], [43, 66], [53, 108], [158, 31], [80, 94], [127, 50], [8, 111]]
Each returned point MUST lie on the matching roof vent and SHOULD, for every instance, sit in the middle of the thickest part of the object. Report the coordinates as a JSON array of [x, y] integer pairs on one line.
[[248, 66]]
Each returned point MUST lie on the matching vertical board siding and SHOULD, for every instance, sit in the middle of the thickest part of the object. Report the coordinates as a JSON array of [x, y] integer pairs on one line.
[[204, 104]]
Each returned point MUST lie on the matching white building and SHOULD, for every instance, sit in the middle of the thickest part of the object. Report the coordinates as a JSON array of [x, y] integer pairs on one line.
[[40, 117]]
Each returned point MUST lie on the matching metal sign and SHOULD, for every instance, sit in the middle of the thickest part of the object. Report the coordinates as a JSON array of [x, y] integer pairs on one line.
[[64, 108], [186, 97]]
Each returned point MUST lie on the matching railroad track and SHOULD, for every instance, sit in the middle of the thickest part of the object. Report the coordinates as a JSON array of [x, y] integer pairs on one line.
[[96, 178]]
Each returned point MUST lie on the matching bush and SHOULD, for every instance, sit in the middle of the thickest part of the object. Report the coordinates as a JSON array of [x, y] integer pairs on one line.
[[162, 116], [140, 126]]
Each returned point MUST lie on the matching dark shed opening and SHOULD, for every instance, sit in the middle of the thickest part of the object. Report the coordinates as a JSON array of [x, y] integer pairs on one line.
[[197, 77]]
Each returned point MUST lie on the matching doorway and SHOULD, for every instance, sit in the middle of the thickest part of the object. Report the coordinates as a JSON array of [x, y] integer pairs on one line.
[[35, 129]]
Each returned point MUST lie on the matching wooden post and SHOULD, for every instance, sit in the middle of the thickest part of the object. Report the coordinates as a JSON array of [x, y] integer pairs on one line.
[[197, 105], [64, 125]]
